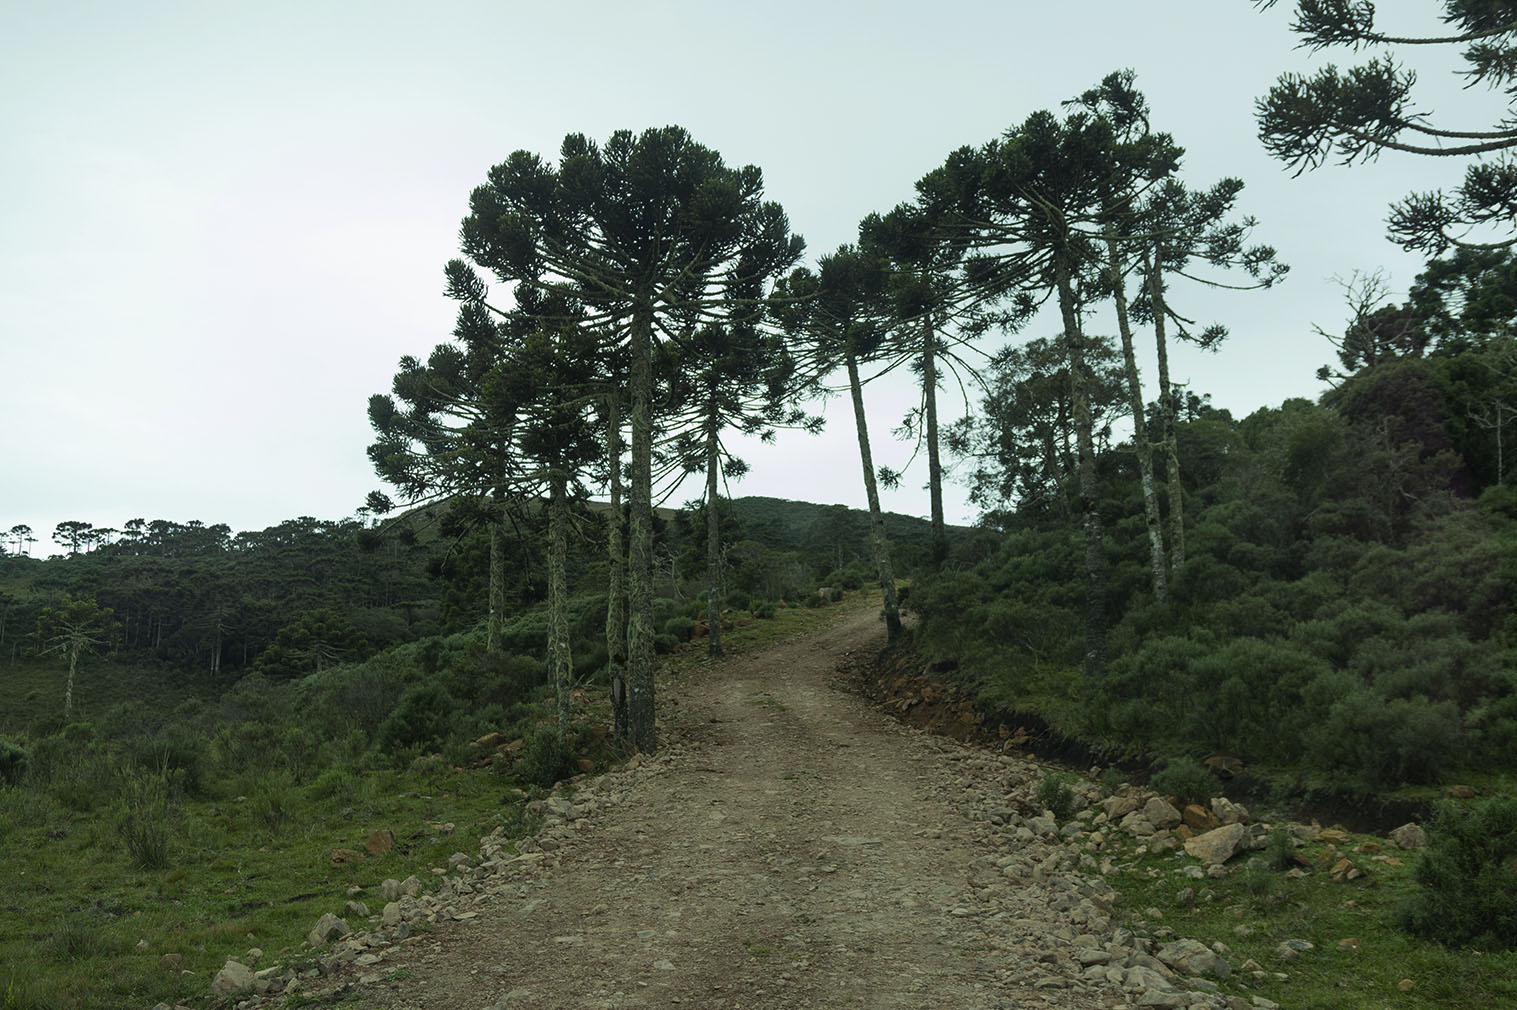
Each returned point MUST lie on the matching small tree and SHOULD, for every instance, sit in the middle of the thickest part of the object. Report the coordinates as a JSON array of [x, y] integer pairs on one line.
[[73, 629]]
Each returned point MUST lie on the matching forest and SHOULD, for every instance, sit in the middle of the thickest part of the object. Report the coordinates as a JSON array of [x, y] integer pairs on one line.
[[1318, 592]]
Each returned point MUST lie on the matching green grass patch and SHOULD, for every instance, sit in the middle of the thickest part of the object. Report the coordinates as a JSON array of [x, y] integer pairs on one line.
[[1358, 956]]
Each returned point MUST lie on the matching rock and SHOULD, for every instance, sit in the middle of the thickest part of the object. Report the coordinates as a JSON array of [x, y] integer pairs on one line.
[[1349, 945], [410, 887], [392, 915], [356, 908], [1460, 792], [1164, 998], [662, 965], [233, 978], [1192, 957], [379, 842], [390, 890], [1118, 807], [341, 856], [1219, 845], [173, 962], [1140, 978], [456, 860], [1227, 811], [1045, 826], [1410, 836], [1406, 985], [1332, 836], [1161, 814], [1199, 819], [328, 928], [1137, 825]]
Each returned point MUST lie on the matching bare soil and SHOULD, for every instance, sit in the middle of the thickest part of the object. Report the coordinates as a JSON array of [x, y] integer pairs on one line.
[[789, 845]]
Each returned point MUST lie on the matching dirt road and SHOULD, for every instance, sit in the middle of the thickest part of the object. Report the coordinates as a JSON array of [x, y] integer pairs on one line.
[[789, 846]]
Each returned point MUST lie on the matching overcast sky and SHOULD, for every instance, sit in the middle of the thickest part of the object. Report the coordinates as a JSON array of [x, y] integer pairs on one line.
[[223, 224]]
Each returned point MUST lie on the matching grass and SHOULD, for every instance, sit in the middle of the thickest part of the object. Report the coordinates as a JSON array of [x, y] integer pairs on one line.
[[78, 906], [1254, 910]]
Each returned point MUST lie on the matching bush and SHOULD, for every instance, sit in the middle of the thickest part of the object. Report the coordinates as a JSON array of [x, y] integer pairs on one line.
[[176, 748], [764, 611], [1386, 743], [1056, 796], [1280, 850], [737, 599], [545, 759], [681, 628], [422, 718], [1186, 779], [14, 760], [1467, 878], [664, 643]]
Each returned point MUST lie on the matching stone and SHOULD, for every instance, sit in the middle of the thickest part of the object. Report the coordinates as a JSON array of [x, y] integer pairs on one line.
[[1118, 807], [1161, 814], [341, 856], [1332, 836], [1410, 836], [1227, 811], [1045, 826], [1406, 985], [379, 842], [356, 908], [392, 915], [233, 978], [1349, 945], [410, 887], [390, 890], [1137, 825], [329, 927], [1460, 792], [1217, 846], [1199, 819], [1192, 957], [173, 962], [456, 860]]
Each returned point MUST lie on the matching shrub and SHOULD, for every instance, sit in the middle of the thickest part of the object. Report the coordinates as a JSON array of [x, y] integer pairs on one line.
[[1385, 743], [681, 628], [176, 748], [737, 599], [14, 760], [545, 759], [422, 718], [664, 643], [1056, 796], [764, 611], [1467, 877], [1280, 850], [1186, 779]]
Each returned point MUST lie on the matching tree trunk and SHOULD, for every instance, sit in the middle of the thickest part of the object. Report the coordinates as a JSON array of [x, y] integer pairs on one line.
[[876, 520], [559, 659], [1139, 436], [713, 542], [1095, 558], [1167, 419], [640, 556], [934, 461], [68, 688], [616, 589], [495, 625]]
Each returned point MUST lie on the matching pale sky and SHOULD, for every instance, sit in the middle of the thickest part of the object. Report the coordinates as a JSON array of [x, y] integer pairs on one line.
[[224, 224]]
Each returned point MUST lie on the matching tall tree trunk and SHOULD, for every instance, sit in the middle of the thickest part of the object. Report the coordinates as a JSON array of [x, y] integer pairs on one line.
[[1095, 558], [559, 659], [934, 461], [713, 541], [68, 689], [616, 563], [1167, 419], [640, 556], [876, 519], [1139, 435], [496, 623]]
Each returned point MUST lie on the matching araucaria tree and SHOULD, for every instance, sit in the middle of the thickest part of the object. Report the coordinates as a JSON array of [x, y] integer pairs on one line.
[[73, 629], [649, 236], [1357, 113]]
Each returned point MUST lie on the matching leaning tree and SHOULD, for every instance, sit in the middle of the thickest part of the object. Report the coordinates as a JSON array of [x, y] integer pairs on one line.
[[647, 234]]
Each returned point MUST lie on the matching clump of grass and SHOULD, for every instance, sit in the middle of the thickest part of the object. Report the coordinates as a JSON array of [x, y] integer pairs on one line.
[[1186, 779], [151, 805], [1056, 796]]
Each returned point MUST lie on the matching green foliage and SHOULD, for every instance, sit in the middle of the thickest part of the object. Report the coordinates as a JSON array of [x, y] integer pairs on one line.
[[546, 758], [14, 761], [1467, 877], [1056, 796], [422, 718], [764, 610], [1280, 849], [681, 628], [1382, 743], [1186, 779], [150, 808]]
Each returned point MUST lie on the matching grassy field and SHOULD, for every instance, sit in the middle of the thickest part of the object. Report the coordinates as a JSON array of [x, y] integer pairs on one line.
[[1358, 960]]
